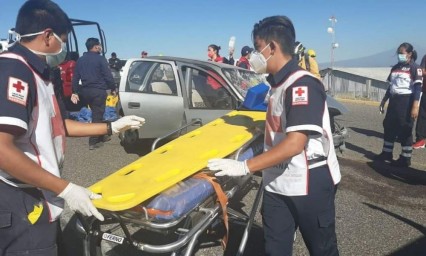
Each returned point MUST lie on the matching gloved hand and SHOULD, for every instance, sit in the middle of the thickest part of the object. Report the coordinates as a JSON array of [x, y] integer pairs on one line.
[[127, 122], [228, 167], [382, 107], [78, 199]]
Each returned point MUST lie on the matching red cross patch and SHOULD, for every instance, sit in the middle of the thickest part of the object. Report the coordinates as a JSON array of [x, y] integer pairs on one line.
[[300, 95], [17, 91]]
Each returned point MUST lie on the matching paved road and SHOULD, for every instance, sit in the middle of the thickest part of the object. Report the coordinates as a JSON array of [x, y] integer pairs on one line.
[[380, 210]]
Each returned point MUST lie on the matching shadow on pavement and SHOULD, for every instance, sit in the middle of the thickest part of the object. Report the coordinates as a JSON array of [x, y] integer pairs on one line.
[[369, 133], [407, 175], [368, 154], [418, 247]]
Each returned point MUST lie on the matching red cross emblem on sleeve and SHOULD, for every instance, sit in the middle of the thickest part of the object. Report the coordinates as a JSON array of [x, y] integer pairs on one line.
[[17, 91], [300, 95]]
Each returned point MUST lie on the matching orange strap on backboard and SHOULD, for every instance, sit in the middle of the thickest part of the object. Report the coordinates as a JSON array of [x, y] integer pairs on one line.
[[223, 200]]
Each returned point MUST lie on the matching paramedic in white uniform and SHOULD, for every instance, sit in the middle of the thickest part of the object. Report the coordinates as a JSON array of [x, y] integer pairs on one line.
[[32, 135], [299, 166]]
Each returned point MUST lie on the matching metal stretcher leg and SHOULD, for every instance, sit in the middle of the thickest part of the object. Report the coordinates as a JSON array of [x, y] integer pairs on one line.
[[250, 221]]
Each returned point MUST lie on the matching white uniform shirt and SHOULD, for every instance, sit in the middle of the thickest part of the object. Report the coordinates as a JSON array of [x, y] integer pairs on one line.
[[44, 140], [403, 76], [294, 107]]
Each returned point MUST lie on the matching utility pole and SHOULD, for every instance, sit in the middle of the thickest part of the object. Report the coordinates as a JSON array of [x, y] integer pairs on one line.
[[331, 30]]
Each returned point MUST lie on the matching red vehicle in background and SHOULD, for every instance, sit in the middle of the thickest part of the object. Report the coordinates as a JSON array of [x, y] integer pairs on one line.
[[67, 72]]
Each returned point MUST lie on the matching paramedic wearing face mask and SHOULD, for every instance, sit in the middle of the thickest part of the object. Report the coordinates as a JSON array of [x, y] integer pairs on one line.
[[299, 166], [32, 135], [404, 91]]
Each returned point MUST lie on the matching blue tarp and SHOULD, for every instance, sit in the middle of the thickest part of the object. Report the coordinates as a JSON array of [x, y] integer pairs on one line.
[[85, 115]]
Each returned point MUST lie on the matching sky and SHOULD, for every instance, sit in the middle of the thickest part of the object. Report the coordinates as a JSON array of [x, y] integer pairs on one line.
[[185, 28]]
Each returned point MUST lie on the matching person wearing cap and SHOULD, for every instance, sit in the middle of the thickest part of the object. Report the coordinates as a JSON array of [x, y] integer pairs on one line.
[[311, 53], [306, 61], [245, 56], [144, 54]]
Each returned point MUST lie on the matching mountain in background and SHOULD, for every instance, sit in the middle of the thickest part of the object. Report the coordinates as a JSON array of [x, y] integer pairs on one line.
[[382, 59]]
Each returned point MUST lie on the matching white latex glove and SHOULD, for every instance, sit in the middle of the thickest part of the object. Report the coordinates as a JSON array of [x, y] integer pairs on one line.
[[228, 167], [78, 199], [127, 122]]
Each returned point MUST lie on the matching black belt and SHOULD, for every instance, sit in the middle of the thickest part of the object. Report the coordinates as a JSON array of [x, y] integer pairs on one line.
[[316, 160], [400, 95]]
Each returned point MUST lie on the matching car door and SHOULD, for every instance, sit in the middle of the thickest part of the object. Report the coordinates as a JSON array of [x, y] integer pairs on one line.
[[151, 89], [207, 95]]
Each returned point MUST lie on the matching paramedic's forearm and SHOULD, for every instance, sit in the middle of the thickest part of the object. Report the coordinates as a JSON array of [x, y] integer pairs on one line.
[[20, 166], [78, 129], [291, 146]]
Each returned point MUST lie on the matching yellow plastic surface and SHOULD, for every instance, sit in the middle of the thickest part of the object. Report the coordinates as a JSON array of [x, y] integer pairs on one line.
[[35, 214], [176, 160]]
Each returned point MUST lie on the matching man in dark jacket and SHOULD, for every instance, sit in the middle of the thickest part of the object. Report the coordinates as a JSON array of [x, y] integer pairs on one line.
[[95, 76], [115, 66]]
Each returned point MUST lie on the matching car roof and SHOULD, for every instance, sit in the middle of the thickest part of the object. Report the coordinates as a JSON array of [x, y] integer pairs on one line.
[[194, 61]]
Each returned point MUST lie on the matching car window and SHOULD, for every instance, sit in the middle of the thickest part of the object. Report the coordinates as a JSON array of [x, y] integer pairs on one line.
[[152, 78], [206, 90], [243, 80]]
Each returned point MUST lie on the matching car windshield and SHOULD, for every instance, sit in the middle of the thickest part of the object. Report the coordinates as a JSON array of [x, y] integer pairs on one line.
[[242, 80]]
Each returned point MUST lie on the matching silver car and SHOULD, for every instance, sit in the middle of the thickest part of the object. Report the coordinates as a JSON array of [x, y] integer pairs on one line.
[[171, 92]]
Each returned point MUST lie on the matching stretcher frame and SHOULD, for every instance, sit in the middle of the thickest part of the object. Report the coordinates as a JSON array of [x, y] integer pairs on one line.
[[209, 214]]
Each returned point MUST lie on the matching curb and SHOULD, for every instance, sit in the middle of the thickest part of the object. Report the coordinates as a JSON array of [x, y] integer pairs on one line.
[[356, 101]]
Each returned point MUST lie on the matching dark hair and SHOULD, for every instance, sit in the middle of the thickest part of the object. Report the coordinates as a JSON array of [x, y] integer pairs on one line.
[[277, 28], [91, 42], [216, 48], [409, 48], [38, 15], [113, 54]]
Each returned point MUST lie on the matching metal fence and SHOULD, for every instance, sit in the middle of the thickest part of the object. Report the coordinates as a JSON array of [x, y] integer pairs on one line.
[[345, 85]]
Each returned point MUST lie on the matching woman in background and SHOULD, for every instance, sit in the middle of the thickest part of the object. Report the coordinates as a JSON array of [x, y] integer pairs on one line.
[[403, 93], [213, 54]]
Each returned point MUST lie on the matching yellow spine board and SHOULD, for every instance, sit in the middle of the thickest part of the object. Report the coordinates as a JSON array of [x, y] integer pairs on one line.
[[176, 160]]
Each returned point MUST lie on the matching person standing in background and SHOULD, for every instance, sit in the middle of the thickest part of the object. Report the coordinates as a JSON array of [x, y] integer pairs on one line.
[[245, 56], [115, 66], [403, 93], [213, 54], [96, 78], [305, 61], [313, 62], [421, 119]]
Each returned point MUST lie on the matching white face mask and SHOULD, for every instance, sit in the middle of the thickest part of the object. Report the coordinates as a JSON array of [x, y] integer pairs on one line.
[[258, 62], [52, 59]]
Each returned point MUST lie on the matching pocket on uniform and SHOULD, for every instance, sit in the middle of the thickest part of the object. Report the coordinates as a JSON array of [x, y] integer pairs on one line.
[[326, 218], [5, 219]]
